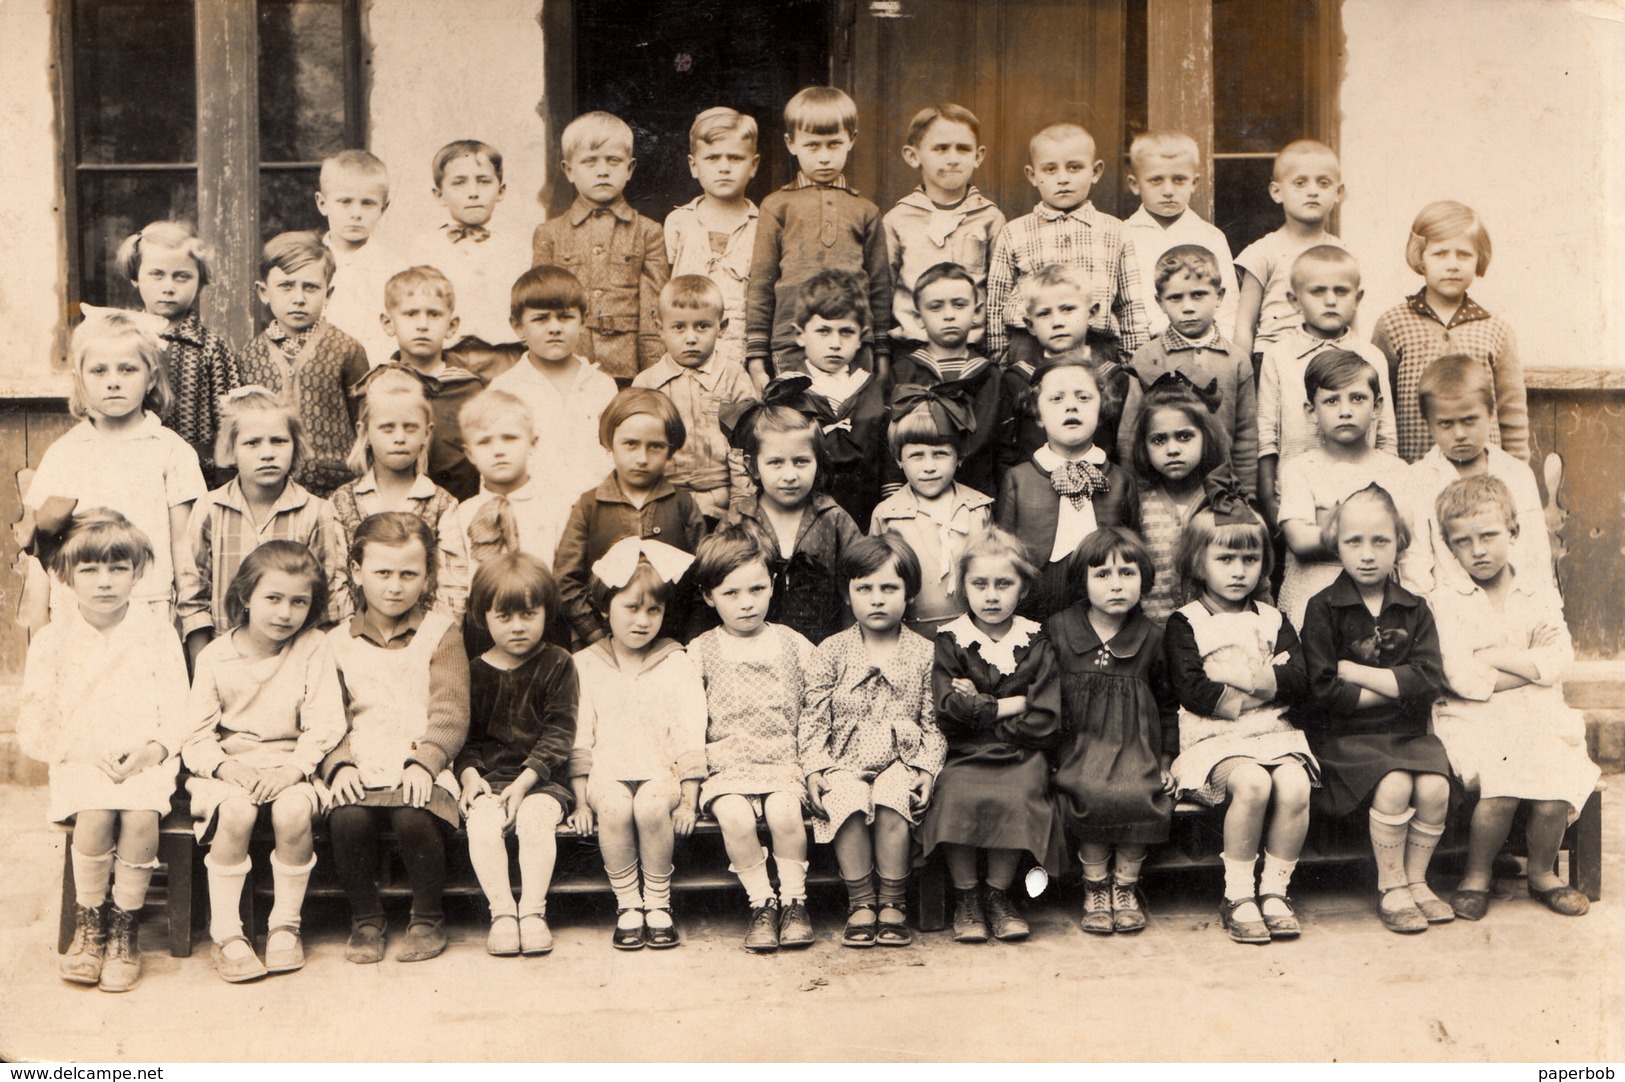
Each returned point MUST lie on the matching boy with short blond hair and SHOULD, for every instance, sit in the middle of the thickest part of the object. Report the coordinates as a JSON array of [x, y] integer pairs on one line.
[[353, 195], [618, 254], [480, 257], [715, 234], [813, 224], [420, 315], [512, 509], [701, 384], [1065, 227], [1164, 170], [1308, 183]]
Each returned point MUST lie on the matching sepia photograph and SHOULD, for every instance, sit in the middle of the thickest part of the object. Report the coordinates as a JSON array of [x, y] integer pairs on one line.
[[812, 531]]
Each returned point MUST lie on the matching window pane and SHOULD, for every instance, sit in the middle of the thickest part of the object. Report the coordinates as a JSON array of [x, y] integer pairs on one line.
[[1242, 206], [302, 100], [111, 207], [1136, 89], [135, 81], [288, 201], [1260, 92]]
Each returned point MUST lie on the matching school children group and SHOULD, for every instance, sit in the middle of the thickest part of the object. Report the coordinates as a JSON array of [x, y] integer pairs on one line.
[[1074, 440]]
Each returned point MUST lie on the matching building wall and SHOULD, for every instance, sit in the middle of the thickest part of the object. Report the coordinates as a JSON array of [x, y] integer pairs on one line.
[[1509, 106]]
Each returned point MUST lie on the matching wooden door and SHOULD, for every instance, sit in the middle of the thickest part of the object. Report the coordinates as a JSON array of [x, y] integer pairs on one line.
[[1019, 65]]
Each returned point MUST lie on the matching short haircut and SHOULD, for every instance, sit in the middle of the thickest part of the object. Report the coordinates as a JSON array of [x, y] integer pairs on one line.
[[869, 555], [289, 557], [357, 163], [1162, 144], [692, 291], [820, 110], [257, 399], [645, 580], [1296, 151], [724, 552], [125, 331], [833, 294], [783, 421], [387, 383], [1057, 133], [100, 535], [394, 528], [1441, 221], [719, 122], [1334, 369], [1469, 496], [589, 131], [1370, 494], [491, 406], [465, 148], [955, 114], [943, 272], [1203, 531], [1000, 544], [512, 582], [1191, 259], [1323, 256], [1215, 441], [638, 401], [1455, 375], [420, 279], [1060, 274], [175, 236], [919, 425], [288, 252], [1098, 548], [546, 288]]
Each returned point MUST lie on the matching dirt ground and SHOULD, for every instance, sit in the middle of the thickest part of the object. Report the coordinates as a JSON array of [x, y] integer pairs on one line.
[[1524, 984]]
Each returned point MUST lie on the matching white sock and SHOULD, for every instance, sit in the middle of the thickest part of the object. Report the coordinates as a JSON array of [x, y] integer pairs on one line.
[[1419, 846], [288, 884], [754, 879], [1238, 877], [225, 896], [1388, 834], [130, 883], [1277, 874], [792, 879], [624, 882], [1095, 872], [538, 851], [488, 852], [91, 874]]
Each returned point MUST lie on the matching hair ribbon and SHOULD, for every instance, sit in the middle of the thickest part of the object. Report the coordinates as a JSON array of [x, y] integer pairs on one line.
[[616, 567]]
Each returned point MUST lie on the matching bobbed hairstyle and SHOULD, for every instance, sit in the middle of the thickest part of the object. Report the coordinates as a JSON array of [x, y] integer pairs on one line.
[[1111, 403], [1469, 496], [944, 272], [100, 535], [257, 399], [918, 425], [719, 122], [420, 279], [385, 386], [1203, 532], [122, 331], [1441, 221], [1000, 544], [833, 294], [1373, 495], [288, 252], [512, 582], [289, 557], [636, 401], [725, 551], [783, 421], [490, 407], [392, 528], [175, 236], [1455, 375], [546, 288], [871, 554], [1335, 369], [1098, 548], [1192, 259], [465, 148], [956, 114], [820, 110], [1215, 441], [692, 292], [645, 580]]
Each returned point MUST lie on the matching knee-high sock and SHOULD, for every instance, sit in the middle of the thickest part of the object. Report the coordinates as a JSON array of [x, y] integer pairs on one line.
[[1420, 843], [1388, 833], [792, 879], [538, 851], [755, 881], [288, 883], [488, 852], [423, 851], [91, 875], [354, 834], [225, 897], [1238, 877], [130, 883]]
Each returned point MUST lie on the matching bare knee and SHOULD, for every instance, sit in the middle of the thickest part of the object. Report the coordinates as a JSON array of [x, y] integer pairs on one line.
[[1393, 793], [290, 817], [784, 818], [234, 823], [1291, 785], [1431, 795], [1249, 786]]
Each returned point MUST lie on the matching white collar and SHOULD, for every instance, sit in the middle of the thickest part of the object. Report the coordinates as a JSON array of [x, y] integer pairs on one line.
[[1001, 653], [1050, 460]]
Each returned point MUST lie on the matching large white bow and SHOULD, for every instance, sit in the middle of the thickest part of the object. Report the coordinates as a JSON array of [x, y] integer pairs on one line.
[[146, 321], [615, 567]]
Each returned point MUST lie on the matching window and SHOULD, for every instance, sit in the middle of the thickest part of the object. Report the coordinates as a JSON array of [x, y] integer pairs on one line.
[[155, 125]]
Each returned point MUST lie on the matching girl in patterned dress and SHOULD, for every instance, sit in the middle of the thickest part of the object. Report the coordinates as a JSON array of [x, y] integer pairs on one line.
[[1236, 665], [1120, 733], [755, 675], [998, 702], [1176, 444], [869, 739]]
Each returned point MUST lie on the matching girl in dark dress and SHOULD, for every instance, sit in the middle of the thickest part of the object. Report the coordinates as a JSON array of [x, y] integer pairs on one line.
[[522, 695], [998, 702], [1372, 655], [1119, 728]]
